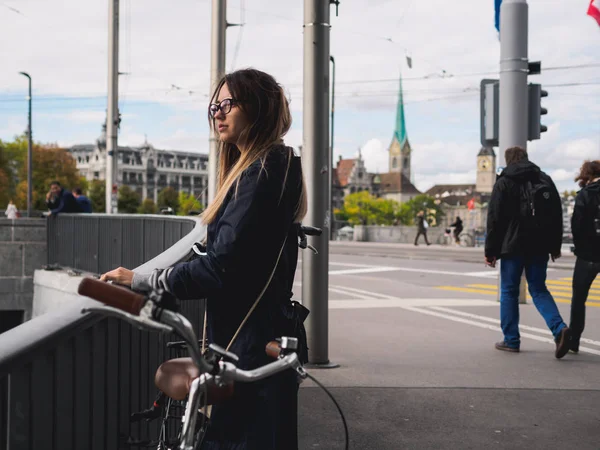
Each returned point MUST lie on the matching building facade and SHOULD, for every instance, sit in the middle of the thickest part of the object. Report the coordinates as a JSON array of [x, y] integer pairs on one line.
[[145, 169]]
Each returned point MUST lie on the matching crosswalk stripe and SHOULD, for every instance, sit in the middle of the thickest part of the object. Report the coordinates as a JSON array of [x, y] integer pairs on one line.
[[555, 290], [490, 291]]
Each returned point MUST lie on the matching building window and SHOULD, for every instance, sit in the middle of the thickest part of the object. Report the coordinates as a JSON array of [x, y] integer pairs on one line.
[[87, 159], [394, 163], [96, 175]]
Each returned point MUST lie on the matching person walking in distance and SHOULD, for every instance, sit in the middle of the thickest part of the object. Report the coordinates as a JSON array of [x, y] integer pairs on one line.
[[585, 226], [524, 226], [84, 202], [11, 210], [422, 226], [458, 228]]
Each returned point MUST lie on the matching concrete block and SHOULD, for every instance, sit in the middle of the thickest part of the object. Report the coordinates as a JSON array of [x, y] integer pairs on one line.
[[5, 231], [35, 258], [8, 285], [11, 259], [30, 233]]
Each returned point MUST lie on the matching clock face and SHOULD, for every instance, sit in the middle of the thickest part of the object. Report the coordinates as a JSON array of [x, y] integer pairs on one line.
[[484, 164]]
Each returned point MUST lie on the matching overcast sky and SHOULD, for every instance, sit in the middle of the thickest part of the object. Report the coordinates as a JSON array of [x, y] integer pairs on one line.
[[165, 53]]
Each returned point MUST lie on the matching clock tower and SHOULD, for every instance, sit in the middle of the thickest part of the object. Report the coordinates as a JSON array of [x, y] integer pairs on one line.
[[486, 170]]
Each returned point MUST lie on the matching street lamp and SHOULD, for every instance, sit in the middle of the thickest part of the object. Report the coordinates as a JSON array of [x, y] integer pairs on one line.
[[332, 215], [29, 146]]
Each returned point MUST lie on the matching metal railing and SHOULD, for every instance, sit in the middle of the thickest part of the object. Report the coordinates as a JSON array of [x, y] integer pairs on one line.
[[71, 381]]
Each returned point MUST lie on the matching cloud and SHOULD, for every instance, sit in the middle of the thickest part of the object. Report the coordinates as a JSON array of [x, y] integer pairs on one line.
[[375, 155]]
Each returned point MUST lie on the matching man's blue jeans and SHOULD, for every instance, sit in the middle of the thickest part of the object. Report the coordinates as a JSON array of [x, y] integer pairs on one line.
[[510, 279]]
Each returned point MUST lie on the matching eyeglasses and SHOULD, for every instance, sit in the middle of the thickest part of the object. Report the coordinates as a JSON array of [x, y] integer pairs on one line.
[[224, 106]]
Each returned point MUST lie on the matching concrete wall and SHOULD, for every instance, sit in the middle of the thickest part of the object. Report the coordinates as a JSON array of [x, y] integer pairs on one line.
[[22, 250], [398, 234], [55, 290]]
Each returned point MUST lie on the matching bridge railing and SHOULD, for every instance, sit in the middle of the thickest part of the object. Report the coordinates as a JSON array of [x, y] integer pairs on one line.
[[71, 381]]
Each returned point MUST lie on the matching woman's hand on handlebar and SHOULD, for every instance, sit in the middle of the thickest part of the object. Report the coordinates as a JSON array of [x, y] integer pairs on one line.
[[120, 276]]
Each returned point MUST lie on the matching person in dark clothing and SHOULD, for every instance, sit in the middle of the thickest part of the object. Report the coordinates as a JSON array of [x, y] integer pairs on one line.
[[252, 234], [421, 227], [585, 226], [84, 203], [522, 243], [458, 228], [59, 200]]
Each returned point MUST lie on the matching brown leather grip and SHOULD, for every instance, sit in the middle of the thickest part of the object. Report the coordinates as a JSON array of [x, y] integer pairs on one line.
[[273, 349], [112, 295]]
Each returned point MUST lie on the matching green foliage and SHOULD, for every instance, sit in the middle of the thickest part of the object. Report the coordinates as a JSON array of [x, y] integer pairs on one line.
[[187, 203], [148, 207], [97, 195], [168, 197], [425, 203], [128, 201], [362, 208]]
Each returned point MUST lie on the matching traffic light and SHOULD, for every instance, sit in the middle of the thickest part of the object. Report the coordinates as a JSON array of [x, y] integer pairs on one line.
[[489, 112], [536, 111]]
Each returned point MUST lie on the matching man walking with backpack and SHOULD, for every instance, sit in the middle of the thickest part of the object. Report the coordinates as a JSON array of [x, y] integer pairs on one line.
[[524, 226]]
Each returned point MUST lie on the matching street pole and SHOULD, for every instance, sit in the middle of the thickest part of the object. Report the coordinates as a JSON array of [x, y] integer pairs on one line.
[[112, 146], [331, 214], [217, 70], [514, 67], [29, 150], [315, 158]]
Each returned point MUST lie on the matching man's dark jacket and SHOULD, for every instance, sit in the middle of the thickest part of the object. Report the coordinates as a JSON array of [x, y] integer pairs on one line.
[[85, 205], [587, 242], [507, 235], [64, 203]]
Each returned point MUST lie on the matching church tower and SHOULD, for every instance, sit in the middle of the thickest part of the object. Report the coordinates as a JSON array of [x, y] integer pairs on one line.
[[399, 150], [486, 170]]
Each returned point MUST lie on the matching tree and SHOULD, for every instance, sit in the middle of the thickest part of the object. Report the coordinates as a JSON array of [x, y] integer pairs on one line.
[[168, 197], [425, 203], [97, 194], [362, 208], [50, 163], [148, 207], [128, 201], [187, 203]]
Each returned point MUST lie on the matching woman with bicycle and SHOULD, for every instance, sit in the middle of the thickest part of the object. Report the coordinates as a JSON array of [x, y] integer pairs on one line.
[[252, 252]]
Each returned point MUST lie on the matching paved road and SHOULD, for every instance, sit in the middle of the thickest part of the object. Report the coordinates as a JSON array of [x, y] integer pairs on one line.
[[414, 340]]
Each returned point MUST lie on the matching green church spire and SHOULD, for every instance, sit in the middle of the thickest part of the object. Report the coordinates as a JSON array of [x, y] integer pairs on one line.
[[400, 131]]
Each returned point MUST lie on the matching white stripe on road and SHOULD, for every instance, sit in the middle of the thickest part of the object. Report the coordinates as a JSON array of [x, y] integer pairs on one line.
[[364, 270], [492, 327], [376, 303], [497, 321]]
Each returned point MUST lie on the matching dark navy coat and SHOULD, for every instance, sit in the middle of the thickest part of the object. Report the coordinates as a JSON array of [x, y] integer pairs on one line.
[[242, 249]]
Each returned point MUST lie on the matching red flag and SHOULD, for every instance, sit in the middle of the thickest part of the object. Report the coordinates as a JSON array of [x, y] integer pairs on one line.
[[594, 10], [471, 204]]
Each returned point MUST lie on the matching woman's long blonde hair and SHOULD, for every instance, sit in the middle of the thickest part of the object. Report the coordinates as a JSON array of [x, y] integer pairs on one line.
[[263, 102]]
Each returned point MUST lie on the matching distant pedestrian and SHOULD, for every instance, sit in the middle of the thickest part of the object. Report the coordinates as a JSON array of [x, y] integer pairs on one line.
[[11, 210], [458, 228], [422, 226], [84, 203], [60, 200], [524, 225], [585, 226]]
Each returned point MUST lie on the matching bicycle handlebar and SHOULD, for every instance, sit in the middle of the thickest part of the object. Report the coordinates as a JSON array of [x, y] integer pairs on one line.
[[112, 295], [273, 349], [311, 231]]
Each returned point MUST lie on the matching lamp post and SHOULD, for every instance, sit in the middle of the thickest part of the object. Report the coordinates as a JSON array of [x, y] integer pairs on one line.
[[29, 149], [332, 215]]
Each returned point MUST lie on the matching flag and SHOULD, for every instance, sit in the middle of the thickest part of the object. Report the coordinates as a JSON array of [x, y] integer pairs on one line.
[[409, 61], [594, 10], [471, 204], [497, 3]]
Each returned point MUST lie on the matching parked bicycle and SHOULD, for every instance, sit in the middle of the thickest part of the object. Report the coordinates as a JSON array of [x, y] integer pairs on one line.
[[201, 380]]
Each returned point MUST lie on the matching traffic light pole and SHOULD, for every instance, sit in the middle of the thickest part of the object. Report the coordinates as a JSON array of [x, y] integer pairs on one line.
[[514, 68]]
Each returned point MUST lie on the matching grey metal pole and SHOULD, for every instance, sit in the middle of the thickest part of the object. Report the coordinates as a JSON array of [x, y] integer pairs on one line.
[[514, 67], [217, 70], [112, 146], [331, 214], [315, 155], [29, 150]]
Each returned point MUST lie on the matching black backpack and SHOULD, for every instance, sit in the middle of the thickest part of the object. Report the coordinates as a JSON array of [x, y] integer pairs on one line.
[[538, 205]]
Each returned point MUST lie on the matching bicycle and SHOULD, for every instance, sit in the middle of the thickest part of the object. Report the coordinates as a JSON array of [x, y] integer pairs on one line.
[[202, 379]]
